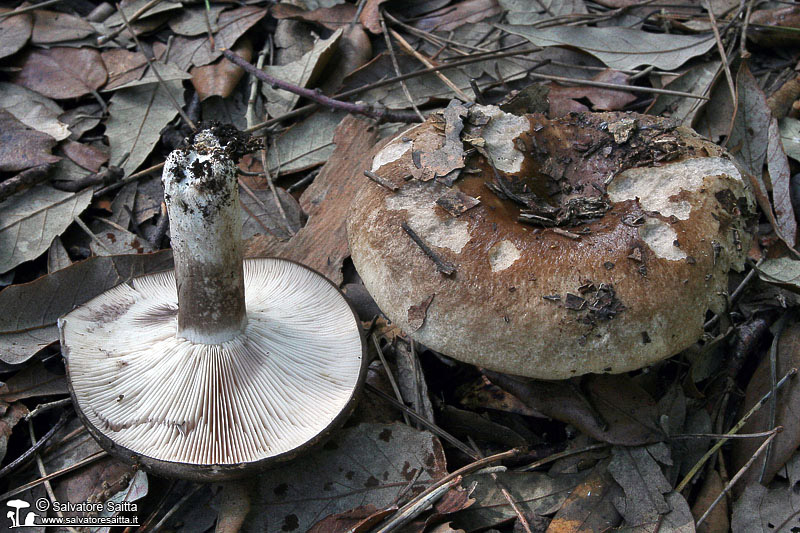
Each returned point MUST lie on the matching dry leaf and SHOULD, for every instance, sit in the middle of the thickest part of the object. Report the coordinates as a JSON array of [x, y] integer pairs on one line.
[[306, 144], [50, 27], [22, 147], [362, 465], [136, 117], [34, 307], [452, 17], [761, 509], [302, 72], [717, 521], [33, 110], [87, 156], [31, 219], [590, 506], [60, 72], [618, 47], [14, 32], [222, 77]]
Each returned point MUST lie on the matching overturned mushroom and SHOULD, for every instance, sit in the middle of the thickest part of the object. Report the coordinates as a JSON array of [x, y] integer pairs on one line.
[[589, 243], [246, 364]]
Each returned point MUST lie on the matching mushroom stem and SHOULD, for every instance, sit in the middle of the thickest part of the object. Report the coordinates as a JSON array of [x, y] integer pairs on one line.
[[202, 197]]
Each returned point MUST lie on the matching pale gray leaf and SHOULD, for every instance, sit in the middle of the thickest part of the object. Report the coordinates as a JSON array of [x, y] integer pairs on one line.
[[782, 270], [530, 11], [261, 215], [132, 7], [697, 80], [29, 220], [32, 309], [57, 257], [620, 48], [640, 477], [302, 73], [123, 204], [167, 71], [533, 492], [790, 137], [136, 117], [366, 464], [33, 110], [115, 241], [192, 20], [766, 510], [304, 145]]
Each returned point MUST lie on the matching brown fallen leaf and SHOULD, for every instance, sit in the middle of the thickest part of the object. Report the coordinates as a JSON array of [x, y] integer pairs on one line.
[[222, 77], [14, 32], [717, 521], [358, 520], [86, 156], [590, 506], [322, 242], [123, 66], [50, 27], [61, 72], [563, 100], [330, 17], [775, 27], [787, 411], [452, 17], [22, 147], [11, 416]]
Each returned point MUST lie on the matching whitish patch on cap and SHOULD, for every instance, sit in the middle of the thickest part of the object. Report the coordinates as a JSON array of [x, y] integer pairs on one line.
[[654, 186], [502, 255], [499, 134], [391, 152], [449, 232], [660, 237]]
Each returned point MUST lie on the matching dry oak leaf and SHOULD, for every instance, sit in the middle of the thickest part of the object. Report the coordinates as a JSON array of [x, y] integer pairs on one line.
[[50, 27], [61, 72]]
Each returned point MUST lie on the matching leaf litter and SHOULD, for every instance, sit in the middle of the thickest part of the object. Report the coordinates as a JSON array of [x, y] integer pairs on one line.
[[69, 102]]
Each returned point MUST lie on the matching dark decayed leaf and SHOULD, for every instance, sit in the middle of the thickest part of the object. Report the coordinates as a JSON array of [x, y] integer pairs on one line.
[[717, 520], [22, 147], [534, 493], [34, 380], [263, 217], [10, 417], [61, 72], [628, 413], [369, 464], [780, 176], [618, 47], [38, 304], [787, 410], [31, 219], [590, 506]]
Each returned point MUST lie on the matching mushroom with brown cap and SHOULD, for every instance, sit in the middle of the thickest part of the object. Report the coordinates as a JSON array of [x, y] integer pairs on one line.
[[244, 365], [589, 243]]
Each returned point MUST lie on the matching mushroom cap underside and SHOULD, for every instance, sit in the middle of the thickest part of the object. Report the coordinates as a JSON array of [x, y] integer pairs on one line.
[[215, 411], [609, 293]]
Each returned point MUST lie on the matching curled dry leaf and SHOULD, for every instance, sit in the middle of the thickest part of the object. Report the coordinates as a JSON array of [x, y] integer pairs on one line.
[[61, 72], [222, 77], [22, 147], [33, 110]]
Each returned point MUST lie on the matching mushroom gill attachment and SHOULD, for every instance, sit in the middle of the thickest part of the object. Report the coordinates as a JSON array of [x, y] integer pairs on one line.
[[595, 242], [222, 366]]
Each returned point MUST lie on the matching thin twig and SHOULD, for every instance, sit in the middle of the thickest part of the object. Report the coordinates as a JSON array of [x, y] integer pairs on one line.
[[396, 66], [427, 62], [383, 182], [423, 421], [734, 429], [161, 82], [724, 58], [739, 474], [80, 464], [42, 472], [24, 9], [389, 376], [445, 267], [317, 96], [94, 237], [22, 459], [271, 183], [561, 455], [399, 519], [460, 473], [780, 325], [175, 507], [103, 39]]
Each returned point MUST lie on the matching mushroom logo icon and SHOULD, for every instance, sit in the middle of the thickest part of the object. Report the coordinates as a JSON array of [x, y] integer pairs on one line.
[[14, 515]]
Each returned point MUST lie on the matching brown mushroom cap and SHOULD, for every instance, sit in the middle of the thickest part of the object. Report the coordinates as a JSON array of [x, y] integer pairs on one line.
[[639, 224]]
